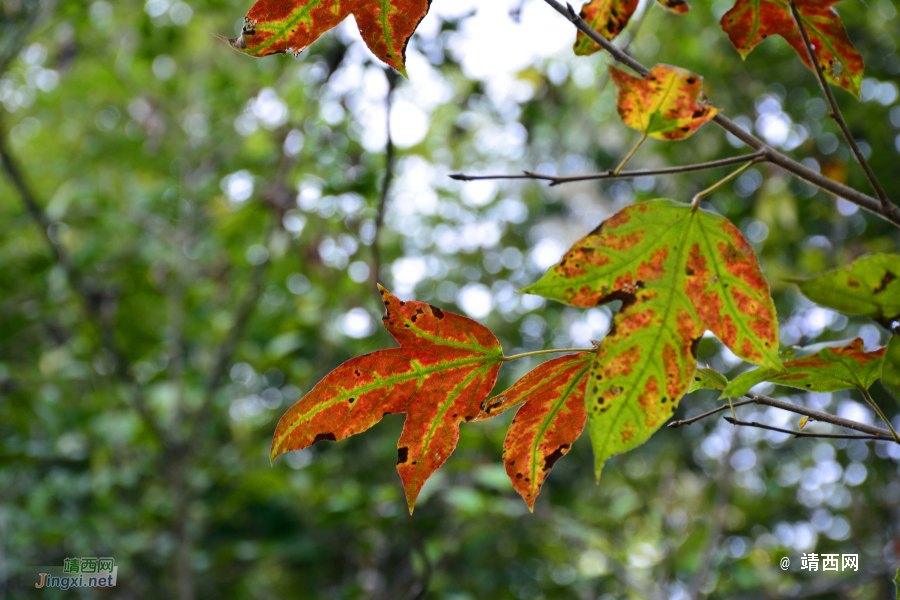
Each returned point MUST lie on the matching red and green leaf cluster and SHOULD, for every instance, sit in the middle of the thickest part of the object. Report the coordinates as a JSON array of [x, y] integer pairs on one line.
[[678, 273], [282, 26]]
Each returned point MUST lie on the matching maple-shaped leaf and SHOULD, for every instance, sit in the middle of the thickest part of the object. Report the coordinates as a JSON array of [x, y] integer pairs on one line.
[[444, 369], [751, 21], [547, 425], [608, 17], [868, 287], [678, 273], [707, 379], [663, 104], [829, 370], [281, 26]]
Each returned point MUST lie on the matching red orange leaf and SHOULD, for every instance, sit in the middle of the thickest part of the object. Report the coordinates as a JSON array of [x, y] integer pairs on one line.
[[664, 104], [550, 421], [444, 369], [829, 370], [679, 6], [609, 17], [281, 26], [678, 273], [751, 21]]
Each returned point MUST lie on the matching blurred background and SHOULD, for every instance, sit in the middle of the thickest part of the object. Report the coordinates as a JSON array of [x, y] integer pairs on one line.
[[187, 250]]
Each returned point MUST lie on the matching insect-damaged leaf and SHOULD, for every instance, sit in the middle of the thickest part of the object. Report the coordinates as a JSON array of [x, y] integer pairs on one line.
[[664, 103], [707, 379], [868, 287], [545, 428], [828, 370], [608, 17], [751, 21], [678, 273], [281, 26], [444, 369]]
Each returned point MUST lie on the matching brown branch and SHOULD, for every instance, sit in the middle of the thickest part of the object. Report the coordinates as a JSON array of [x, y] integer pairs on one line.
[[836, 112], [873, 205], [804, 434], [873, 433], [554, 180], [676, 424], [386, 185]]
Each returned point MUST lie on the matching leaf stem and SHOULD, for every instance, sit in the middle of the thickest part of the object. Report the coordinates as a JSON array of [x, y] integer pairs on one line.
[[630, 154], [537, 352], [695, 203], [836, 111], [875, 407], [555, 180]]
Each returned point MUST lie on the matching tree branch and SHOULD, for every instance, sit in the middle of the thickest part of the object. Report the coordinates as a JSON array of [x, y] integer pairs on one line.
[[890, 213], [836, 111], [555, 180], [874, 433], [803, 434], [386, 185]]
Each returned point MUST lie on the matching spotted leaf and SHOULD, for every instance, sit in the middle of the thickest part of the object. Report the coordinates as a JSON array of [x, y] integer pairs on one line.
[[608, 17], [829, 370], [281, 26], [678, 273], [444, 369], [707, 379], [679, 6], [867, 287], [547, 425], [751, 21], [663, 104]]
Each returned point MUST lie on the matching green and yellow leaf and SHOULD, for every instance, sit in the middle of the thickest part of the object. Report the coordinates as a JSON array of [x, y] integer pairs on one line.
[[608, 17], [678, 273], [867, 287], [547, 425], [890, 369], [751, 21], [282, 26], [663, 104], [828, 370], [444, 369], [708, 379]]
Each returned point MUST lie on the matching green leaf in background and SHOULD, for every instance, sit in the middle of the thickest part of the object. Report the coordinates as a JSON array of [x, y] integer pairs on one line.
[[829, 370], [708, 379], [868, 287], [897, 583], [890, 369]]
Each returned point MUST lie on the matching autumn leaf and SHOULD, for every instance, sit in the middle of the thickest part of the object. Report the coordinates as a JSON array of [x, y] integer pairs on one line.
[[751, 21], [707, 379], [678, 273], [281, 26], [868, 287], [662, 105], [679, 6], [829, 370], [547, 425], [608, 17], [444, 369]]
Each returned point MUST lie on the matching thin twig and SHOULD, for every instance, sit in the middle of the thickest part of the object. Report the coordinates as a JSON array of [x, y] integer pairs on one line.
[[890, 213], [803, 434], [386, 185], [676, 424], [877, 409], [695, 202], [836, 111], [555, 180]]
